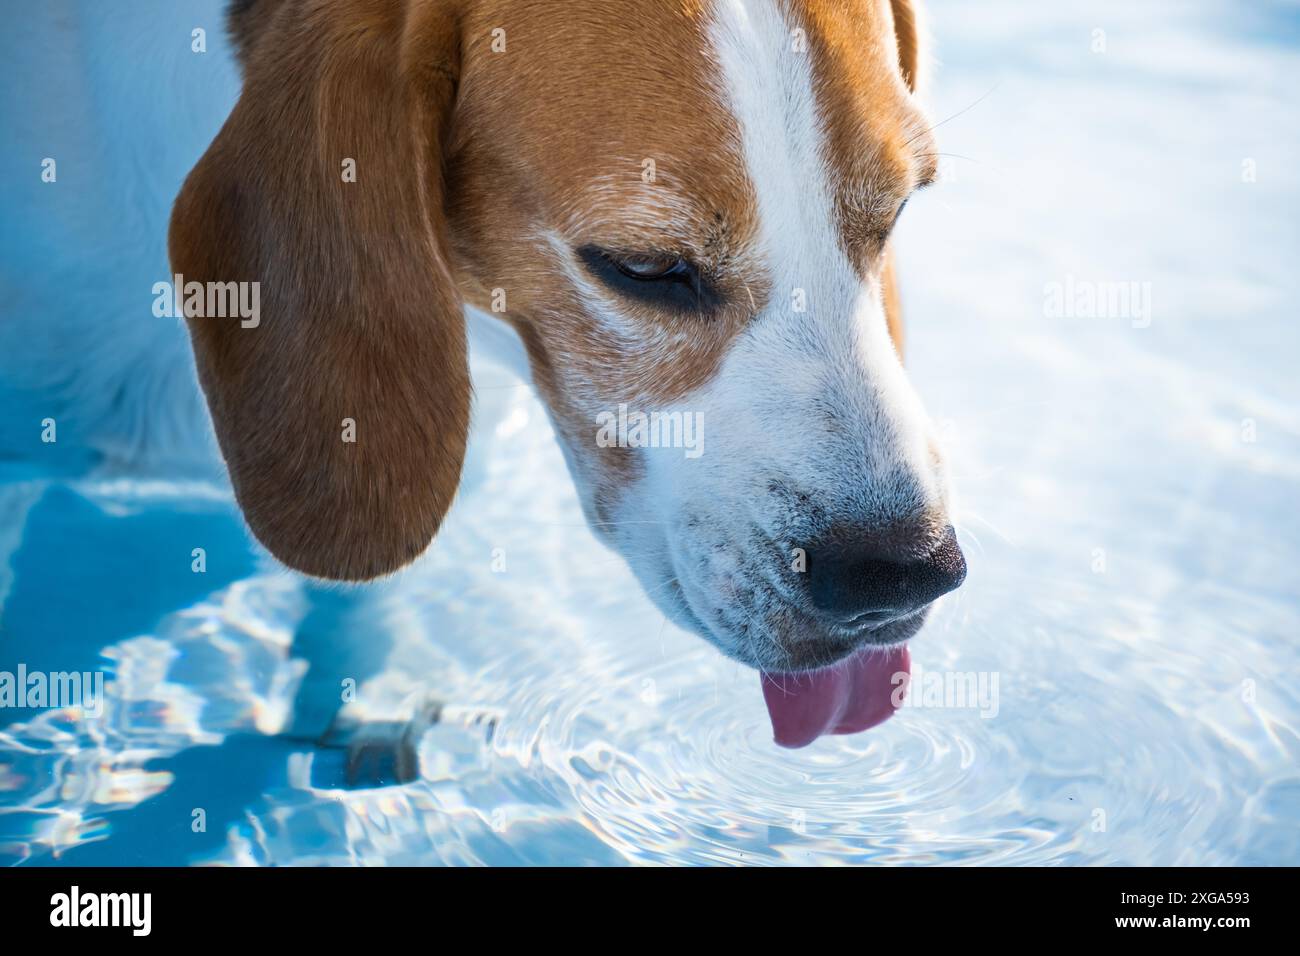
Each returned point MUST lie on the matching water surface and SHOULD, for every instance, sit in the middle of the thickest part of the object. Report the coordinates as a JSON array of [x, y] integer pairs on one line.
[[1127, 489]]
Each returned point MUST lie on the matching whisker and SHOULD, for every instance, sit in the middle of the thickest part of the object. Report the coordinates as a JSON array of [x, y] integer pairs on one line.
[[968, 159], [988, 524], [961, 529], [954, 115]]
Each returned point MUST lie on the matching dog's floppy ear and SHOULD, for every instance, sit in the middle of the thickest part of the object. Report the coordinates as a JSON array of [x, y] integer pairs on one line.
[[907, 30], [342, 408]]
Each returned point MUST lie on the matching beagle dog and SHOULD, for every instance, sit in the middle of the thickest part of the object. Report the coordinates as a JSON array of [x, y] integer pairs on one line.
[[678, 206]]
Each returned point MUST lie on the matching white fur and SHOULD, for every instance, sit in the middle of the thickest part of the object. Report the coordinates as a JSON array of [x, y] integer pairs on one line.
[[815, 400], [807, 406]]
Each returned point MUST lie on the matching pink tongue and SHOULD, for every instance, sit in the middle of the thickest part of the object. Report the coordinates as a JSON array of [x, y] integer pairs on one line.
[[845, 698]]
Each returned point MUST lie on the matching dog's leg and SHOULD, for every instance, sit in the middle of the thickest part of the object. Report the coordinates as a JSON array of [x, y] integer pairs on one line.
[[80, 328]]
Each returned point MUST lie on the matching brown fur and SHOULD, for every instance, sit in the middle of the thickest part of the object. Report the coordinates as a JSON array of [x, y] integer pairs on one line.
[[464, 155], [907, 35], [360, 318], [878, 139], [248, 20], [606, 86]]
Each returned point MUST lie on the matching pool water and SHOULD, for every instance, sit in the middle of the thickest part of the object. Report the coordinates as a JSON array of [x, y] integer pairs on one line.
[[1127, 485]]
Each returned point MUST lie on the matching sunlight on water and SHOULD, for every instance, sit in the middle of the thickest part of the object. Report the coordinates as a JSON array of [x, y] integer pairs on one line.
[[1131, 607], [575, 726]]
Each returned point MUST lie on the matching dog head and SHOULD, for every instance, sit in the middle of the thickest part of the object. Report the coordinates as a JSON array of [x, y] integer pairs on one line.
[[683, 208]]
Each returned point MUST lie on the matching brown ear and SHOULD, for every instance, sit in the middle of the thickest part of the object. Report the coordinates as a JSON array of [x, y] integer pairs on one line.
[[907, 29], [359, 318], [907, 33]]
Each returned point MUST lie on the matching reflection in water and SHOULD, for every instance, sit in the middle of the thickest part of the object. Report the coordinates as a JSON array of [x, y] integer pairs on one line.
[[575, 725], [1132, 549]]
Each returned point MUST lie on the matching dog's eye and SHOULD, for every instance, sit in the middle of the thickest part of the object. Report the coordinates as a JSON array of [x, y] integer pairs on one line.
[[901, 207], [652, 268], [665, 280], [883, 235]]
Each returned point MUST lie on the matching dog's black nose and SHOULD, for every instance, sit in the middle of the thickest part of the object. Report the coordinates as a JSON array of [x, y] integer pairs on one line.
[[865, 583]]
